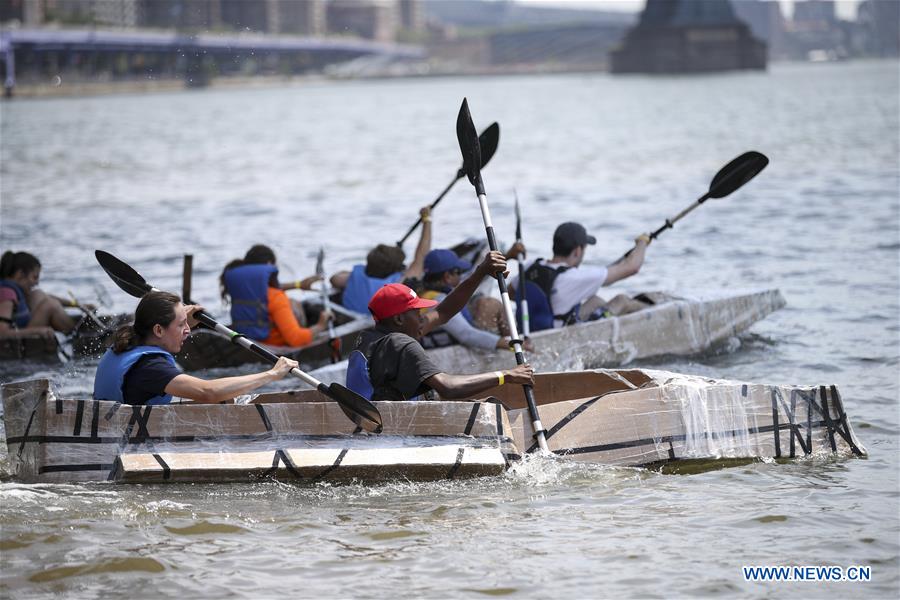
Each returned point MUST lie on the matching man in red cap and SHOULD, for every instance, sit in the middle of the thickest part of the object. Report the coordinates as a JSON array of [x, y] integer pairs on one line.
[[390, 364]]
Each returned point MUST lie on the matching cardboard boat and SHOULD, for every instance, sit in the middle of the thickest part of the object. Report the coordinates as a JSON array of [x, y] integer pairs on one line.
[[672, 326], [616, 417], [206, 349], [86, 340]]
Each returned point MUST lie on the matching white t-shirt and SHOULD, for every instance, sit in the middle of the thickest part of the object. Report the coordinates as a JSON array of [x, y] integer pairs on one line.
[[571, 287]]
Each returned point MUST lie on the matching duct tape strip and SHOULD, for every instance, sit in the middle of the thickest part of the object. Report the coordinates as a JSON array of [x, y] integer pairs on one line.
[[669, 438], [565, 421], [671, 451], [289, 464], [457, 464], [73, 468], [791, 412], [167, 472], [472, 416], [334, 466], [95, 419], [775, 428], [499, 416], [827, 415], [79, 415], [844, 427], [263, 416], [112, 411], [142, 417], [59, 406], [24, 437]]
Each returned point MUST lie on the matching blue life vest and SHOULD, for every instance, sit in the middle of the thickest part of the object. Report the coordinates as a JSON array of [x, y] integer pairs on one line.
[[358, 374], [358, 366], [539, 279], [21, 314], [248, 286], [113, 367], [360, 288]]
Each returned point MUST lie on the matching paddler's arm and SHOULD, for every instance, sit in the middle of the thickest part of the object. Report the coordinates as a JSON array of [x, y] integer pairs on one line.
[[339, 280], [212, 391], [456, 300], [416, 268], [454, 387], [302, 284], [632, 263]]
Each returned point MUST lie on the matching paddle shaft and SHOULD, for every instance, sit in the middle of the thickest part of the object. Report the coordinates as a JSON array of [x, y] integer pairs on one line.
[[539, 433], [326, 305], [670, 223], [243, 342], [89, 313], [459, 175], [521, 298]]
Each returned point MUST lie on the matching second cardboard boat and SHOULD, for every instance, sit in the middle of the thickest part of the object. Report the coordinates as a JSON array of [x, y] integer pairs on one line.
[[673, 326]]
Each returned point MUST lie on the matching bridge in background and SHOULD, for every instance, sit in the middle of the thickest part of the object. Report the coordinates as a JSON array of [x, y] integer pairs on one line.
[[40, 55]]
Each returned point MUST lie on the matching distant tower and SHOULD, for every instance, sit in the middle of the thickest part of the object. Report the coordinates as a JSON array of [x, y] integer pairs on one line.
[[372, 19], [412, 16], [686, 36]]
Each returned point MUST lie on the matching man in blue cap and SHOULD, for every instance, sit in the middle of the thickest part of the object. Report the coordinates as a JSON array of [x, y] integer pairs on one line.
[[481, 324], [567, 290]]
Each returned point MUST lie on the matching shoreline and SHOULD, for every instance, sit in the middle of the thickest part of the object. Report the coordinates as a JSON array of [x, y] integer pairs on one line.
[[87, 89]]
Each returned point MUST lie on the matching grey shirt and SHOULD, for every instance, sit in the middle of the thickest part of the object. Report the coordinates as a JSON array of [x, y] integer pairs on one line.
[[398, 367]]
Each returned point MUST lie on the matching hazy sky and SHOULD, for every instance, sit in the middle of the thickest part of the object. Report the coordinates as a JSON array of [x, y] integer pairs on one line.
[[846, 9]]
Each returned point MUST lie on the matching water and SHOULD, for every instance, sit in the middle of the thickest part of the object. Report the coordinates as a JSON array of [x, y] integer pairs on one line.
[[346, 165]]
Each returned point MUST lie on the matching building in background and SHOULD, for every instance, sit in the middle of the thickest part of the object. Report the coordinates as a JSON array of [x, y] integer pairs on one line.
[[684, 36]]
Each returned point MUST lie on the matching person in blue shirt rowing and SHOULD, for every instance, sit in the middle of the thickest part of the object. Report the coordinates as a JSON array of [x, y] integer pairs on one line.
[[140, 367]]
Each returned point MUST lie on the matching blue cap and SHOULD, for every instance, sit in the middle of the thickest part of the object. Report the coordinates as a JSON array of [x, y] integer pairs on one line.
[[441, 260]]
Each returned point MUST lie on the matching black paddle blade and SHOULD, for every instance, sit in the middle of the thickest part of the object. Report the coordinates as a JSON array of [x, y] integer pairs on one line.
[[320, 261], [736, 173], [358, 409], [518, 218], [488, 141], [129, 280], [469, 145]]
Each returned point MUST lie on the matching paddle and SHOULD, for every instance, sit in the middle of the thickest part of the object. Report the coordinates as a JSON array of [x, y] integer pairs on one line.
[[333, 341], [488, 141], [358, 409], [521, 300], [729, 178], [471, 151], [91, 314]]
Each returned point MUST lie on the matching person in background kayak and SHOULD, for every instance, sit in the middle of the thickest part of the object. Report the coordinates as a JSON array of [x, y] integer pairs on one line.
[[481, 323], [389, 363], [562, 291], [24, 309], [260, 308], [140, 367], [384, 264]]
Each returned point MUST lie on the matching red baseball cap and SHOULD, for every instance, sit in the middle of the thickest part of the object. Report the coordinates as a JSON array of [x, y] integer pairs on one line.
[[395, 298]]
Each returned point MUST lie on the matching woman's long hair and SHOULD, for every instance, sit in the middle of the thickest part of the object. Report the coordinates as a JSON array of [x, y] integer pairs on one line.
[[13, 262], [155, 308], [258, 254]]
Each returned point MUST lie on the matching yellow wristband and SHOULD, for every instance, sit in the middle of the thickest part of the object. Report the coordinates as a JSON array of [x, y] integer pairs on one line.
[[500, 377], [426, 219], [297, 285]]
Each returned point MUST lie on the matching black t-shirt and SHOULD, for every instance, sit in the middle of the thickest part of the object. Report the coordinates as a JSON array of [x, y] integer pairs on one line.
[[148, 378], [398, 367]]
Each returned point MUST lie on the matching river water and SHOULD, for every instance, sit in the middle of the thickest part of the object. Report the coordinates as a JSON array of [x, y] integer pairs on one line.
[[346, 165]]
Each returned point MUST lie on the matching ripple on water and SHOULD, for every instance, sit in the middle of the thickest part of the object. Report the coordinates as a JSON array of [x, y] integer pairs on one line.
[[115, 565]]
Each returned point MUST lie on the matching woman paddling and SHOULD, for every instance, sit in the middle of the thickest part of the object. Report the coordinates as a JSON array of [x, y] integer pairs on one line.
[[260, 308], [24, 309], [140, 367]]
